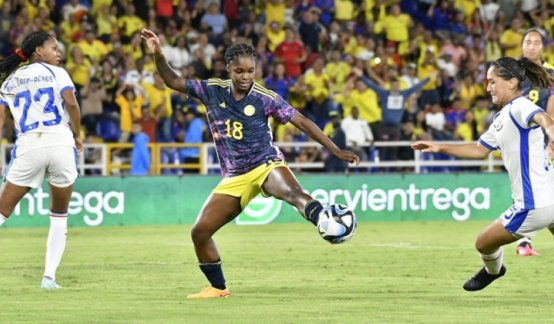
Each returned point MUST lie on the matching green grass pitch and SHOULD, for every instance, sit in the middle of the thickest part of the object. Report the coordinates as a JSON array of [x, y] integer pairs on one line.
[[409, 272]]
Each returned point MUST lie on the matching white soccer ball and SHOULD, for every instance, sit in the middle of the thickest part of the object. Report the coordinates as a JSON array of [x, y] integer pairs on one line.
[[336, 224]]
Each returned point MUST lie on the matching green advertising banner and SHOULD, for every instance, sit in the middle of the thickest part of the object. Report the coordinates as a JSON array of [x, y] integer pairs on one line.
[[108, 201]]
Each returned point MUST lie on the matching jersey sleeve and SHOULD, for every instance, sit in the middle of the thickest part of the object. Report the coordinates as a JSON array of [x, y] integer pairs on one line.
[[64, 81], [281, 110], [523, 113], [196, 89], [488, 139], [3, 100]]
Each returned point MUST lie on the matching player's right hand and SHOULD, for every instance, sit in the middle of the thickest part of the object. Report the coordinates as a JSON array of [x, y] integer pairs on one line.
[[78, 144], [348, 156], [152, 40]]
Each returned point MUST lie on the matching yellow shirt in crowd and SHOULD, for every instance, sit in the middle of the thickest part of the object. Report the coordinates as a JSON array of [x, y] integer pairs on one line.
[[157, 97], [126, 119], [318, 85], [512, 38]]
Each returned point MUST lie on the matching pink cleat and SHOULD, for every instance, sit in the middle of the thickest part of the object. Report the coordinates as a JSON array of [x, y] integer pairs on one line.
[[525, 249]]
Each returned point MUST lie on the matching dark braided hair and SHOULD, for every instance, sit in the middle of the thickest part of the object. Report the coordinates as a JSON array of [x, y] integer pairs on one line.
[[509, 68], [24, 53], [237, 50]]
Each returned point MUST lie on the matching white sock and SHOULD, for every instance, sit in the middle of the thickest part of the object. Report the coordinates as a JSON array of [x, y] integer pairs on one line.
[[55, 245], [493, 262], [524, 239], [3, 219]]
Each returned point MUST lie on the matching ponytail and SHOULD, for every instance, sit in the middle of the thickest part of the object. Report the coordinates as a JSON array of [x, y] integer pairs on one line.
[[509, 68], [22, 54], [536, 74]]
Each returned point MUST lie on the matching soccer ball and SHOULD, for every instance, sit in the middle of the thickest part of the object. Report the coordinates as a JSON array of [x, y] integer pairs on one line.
[[336, 224]]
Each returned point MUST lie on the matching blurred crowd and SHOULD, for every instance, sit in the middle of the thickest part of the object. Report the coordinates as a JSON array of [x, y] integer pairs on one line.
[[362, 70]]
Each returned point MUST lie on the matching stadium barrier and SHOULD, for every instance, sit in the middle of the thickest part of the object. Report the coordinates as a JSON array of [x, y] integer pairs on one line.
[[112, 201], [99, 159]]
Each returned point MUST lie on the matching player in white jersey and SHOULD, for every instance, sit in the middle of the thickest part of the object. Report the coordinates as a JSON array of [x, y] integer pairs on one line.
[[516, 133], [41, 99], [532, 47]]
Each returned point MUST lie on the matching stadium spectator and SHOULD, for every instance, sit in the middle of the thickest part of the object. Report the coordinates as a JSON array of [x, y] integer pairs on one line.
[[429, 93], [311, 32], [292, 53], [129, 23], [213, 22], [392, 103], [319, 89], [338, 69], [130, 105], [358, 134], [275, 12], [275, 35], [510, 40], [279, 82], [192, 134], [73, 7], [94, 49], [436, 121], [159, 102], [140, 154], [93, 94]]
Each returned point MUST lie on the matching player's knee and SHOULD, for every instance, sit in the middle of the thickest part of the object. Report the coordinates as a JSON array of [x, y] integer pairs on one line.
[[197, 234], [484, 247]]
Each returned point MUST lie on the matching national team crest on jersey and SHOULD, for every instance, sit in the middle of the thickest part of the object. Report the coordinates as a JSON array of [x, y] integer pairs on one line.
[[249, 110], [498, 124]]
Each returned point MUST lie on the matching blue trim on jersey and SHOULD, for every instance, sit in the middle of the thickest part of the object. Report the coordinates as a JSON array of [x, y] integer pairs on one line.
[[531, 116], [49, 69], [528, 197], [516, 220], [65, 88], [487, 145]]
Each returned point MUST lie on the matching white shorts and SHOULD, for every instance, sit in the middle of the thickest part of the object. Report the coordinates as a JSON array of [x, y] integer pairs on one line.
[[527, 222], [58, 164]]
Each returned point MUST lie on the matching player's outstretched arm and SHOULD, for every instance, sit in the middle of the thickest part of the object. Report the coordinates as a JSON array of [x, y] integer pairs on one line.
[[466, 151], [311, 129], [171, 79]]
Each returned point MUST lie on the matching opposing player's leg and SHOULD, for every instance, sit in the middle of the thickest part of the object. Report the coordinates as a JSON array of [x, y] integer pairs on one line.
[[489, 244], [57, 234], [525, 248], [217, 211], [10, 195], [282, 184]]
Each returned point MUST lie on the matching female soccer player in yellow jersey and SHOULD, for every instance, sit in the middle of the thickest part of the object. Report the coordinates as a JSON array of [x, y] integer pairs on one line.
[[238, 110]]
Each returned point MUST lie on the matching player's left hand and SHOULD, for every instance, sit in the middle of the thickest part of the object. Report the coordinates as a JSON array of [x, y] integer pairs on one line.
[[348, 156]]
